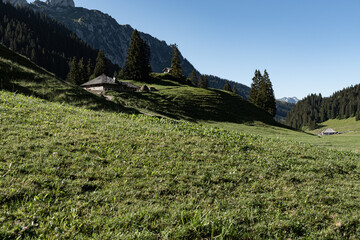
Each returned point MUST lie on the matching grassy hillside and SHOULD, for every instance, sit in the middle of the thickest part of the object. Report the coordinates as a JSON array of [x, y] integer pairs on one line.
[[173, 100], [18, 74], [73, 173], [349, 125], [180, 101]]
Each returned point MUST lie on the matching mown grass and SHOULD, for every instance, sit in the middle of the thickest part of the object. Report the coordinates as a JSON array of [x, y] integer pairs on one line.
[[73, 173]]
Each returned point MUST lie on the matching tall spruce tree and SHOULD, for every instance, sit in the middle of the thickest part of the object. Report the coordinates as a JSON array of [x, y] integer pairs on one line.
[[176, 69], [101, 65], [262, 93], [270, 102], [193, 78], [89, 69], [203, 82], [227, 86], [77, 74], [137, 66], [82, 73], [73, 74], [255, 85], [234, 90]]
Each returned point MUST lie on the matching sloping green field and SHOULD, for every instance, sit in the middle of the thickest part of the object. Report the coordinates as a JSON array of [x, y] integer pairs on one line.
[[18, 74], [181, 101], [72, 173]]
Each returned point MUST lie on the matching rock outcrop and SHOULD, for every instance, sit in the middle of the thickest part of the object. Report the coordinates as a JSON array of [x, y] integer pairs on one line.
[[61, 3]]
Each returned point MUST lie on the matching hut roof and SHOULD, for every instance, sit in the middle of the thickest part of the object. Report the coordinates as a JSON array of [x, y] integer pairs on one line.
[[103, 79], [329, 130], [100, 80]]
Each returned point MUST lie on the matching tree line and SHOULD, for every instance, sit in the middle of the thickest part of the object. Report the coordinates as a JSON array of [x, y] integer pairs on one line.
[[44, 41], [315, 109]]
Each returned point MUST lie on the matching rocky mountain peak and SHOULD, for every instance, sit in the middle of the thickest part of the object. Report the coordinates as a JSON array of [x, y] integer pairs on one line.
[[292, 100], [16, 2], [60, 3]]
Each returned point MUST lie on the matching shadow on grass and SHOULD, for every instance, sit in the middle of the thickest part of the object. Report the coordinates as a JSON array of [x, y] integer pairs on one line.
[[191, 105]]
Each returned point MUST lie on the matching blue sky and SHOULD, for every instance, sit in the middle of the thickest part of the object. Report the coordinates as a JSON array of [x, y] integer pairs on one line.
[[307, 46]]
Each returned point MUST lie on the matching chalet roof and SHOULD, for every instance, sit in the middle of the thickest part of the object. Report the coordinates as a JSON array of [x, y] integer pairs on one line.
[[103, 79], [329, 130], [100, 80]]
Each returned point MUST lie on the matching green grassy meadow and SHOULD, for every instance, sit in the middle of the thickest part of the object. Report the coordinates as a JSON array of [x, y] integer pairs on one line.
[[347, 141], [73, 173], [206, 165]]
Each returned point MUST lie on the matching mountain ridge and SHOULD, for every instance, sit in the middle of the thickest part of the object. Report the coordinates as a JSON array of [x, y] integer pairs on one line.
[[292, 100], [102, 31]]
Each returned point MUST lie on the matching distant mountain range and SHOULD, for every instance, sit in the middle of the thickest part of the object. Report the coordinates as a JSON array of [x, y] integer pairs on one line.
[[293, 100]]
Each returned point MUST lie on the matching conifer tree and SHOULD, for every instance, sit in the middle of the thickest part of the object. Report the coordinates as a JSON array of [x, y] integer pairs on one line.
[[89, 69], [206, 83], [137, 66], [193, 78], [100, 66], [234, 90], [270, 102], [253, 97], [203, 82], [200, 81], [176, 69], [357, 116], [73, 73], [261, 97], [82, 73], [227, 86], [262, 93]]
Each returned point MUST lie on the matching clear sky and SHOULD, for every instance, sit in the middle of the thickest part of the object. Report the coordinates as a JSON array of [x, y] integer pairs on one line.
[[307, 46]]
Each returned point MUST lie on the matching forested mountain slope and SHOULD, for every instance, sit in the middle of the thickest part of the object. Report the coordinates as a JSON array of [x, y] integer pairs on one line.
[[42, 39], [315, 109]]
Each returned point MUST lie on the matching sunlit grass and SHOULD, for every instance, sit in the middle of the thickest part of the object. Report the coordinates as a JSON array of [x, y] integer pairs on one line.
[[68, 172]]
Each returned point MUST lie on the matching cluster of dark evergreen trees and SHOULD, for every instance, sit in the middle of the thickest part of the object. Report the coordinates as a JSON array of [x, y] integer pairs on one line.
[[262, 93], [228, 88], [315, 109], [80, 73], [137, 66], [43, 40], [201, 81]]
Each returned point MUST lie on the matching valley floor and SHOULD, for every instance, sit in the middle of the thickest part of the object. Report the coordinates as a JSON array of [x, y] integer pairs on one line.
[[349, 140]]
